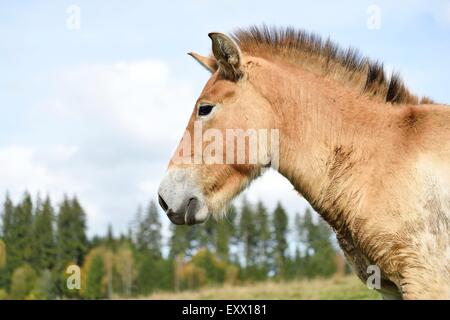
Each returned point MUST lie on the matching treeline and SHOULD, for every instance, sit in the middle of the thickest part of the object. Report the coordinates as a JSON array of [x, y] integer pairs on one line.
[[39, 241]]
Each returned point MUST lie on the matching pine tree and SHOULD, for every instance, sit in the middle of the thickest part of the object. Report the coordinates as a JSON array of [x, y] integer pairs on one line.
[[44, 239], [110, 241], [135, 224], [205, 235], [71, 232], [66, 253], [79, 229], [95, 276], [233, 232], [247, 234], [280, 223], [222, 240], [263, 252], [151, 269], [298, 264], [299, 259], [178, 241], [22, 233], [149, 232], [184, 240], [319, 252], [324, 258], [9, 241], [7, 219]]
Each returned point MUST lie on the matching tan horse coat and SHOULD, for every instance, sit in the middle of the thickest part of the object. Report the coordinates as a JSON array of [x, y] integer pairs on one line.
[[371, 160]]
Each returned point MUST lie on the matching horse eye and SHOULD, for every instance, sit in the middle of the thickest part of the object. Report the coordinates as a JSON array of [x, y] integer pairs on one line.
[[205, 110]]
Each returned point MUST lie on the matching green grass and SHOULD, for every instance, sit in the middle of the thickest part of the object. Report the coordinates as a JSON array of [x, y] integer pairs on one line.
[[342, 288]]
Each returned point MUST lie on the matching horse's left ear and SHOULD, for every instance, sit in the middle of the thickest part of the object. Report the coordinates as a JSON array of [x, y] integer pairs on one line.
[[208, 63], [228, 56]]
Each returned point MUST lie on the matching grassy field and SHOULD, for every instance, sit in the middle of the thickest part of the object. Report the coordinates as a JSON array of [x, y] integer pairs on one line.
[[344, 288]]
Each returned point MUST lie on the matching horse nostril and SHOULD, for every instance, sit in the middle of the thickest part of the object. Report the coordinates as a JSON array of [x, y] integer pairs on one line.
[[162, 203]]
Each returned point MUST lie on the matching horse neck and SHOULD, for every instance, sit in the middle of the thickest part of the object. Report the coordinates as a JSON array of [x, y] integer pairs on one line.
[[329, 138]]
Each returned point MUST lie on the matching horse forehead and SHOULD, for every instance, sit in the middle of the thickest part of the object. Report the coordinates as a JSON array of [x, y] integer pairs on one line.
[[216, 89]]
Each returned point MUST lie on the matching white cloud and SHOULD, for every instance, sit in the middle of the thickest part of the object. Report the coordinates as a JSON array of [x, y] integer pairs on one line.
[[136, 99], [27, 168], [45, 171]]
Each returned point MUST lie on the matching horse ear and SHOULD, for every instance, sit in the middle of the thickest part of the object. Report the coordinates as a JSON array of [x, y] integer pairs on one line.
[[208, 63], [228, 55]]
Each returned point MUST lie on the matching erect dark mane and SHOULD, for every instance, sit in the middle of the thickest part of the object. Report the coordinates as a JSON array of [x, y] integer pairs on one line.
[[310, 50]]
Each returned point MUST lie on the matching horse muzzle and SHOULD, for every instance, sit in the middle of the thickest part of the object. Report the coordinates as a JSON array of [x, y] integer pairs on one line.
[[181, 199]]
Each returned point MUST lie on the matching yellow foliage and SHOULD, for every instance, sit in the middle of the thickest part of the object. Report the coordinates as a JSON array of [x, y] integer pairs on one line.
[[3, 295], [2, 254], [192, 276], [120, 262], [22, 282], [107, 257], [203, 269], [124, 265], [231, 275]]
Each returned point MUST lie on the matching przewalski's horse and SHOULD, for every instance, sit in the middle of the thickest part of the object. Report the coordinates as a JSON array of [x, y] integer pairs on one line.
[[370, 157]]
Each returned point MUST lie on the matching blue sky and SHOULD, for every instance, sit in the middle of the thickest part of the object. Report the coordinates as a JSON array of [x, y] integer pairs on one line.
[[97, 111]]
